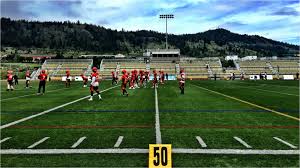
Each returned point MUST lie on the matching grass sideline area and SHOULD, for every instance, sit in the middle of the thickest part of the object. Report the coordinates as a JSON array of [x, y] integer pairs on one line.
[[207, 109]]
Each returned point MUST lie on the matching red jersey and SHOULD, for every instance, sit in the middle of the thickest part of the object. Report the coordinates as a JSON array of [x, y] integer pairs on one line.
[[9, 77], [68, 73], [124, 79], [43, 77], [27, 73]]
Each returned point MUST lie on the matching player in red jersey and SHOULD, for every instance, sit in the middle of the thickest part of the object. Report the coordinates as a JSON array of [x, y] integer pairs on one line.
[[95, 84], [132, 80], [124, 79], [84, 79], [68, 79], [42, 77], [154, 82], [27, 78], [10, 78], [182, 81], [142, 78], [136, 78], [114, 78]]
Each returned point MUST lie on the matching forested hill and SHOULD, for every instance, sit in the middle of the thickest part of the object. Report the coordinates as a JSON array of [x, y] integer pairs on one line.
[[87, 37]]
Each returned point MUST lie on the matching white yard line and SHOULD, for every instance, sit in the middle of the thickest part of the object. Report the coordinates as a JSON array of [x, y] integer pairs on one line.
[[201, 142], [157, 123], [30, 95], [242, 142], [119, 141], [78, 142], [135, 150], [5, 139], [288, 144], [47, 111], [38, 142]]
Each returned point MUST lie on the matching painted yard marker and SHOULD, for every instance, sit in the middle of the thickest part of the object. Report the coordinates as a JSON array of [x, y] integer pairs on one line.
[[5, 139], [119, 141], [157, 122], [38, 142], [78, 142], [201, 142], [242, 142], [288, 144], [47, 111]]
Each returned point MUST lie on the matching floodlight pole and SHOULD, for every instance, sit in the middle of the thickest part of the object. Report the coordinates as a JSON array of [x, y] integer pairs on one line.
[[170, 16]]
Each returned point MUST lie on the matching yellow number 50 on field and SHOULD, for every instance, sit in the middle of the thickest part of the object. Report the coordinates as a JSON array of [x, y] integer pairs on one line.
[[160, 155]]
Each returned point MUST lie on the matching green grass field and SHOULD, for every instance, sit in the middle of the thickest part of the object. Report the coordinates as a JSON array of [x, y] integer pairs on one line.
[[216, 111]]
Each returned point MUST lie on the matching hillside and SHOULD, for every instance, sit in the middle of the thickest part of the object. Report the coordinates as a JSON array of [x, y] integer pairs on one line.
[[65, 36]]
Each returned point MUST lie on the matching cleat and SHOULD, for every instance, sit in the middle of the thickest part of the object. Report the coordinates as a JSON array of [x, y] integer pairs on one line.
[[90, 99]]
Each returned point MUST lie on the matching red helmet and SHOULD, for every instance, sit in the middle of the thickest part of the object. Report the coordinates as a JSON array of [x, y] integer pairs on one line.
[[94, 68], [43, 71], [81, 75], [112, 72], [124, 71]]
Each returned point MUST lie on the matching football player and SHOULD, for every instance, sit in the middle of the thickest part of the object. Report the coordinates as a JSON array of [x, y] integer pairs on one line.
[[42, 77], [154, 82], [84, 79], [142, 78], [10, 84], [124, 79], [162, 77], [132, 80], [182, 81], [95, 84], [68, 79], [27, 78]]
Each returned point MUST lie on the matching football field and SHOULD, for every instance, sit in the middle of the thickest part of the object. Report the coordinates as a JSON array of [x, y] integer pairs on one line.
[[215, 123]]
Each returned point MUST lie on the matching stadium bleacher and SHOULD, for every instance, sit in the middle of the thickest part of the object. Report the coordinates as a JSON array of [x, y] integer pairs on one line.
[[195, 69], [254, 67], [57, 68]]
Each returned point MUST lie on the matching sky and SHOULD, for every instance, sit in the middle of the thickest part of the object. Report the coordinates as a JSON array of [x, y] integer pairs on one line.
[[275, 19]]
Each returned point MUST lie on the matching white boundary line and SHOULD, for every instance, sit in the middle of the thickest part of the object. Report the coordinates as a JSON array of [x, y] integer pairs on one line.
[[157, 123], [47, 111], [242, 142], [288, 144], [5, 139], [38, 142], [135, 150], [201, 142], [78, 142], [119, 141], [11, 98]]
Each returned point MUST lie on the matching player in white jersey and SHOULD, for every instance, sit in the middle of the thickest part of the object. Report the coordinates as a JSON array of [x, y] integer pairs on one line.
[[182, 81], [95, 84]]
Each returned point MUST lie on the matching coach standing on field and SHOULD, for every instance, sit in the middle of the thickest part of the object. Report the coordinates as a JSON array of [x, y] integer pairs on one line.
[[42, 77]]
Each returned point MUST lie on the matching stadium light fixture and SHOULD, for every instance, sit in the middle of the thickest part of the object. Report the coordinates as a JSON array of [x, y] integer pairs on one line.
[[167, 16]]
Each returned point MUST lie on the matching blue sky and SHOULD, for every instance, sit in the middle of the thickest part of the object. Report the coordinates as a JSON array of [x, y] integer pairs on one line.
[[275, 19]]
